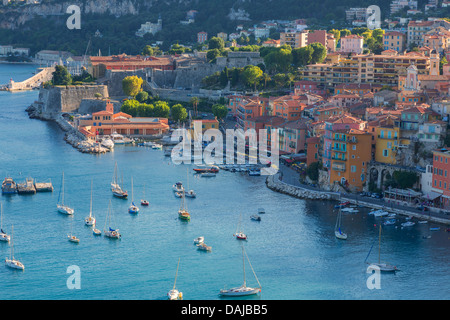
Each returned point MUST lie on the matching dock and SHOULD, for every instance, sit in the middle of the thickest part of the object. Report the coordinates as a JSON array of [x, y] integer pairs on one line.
[[43, 186], [26, 187]]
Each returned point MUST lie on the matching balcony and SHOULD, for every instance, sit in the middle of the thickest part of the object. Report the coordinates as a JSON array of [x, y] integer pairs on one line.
[[338, 167]]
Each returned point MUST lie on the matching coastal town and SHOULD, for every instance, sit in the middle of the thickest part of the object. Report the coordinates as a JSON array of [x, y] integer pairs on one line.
[[354, 121], [271, 137]]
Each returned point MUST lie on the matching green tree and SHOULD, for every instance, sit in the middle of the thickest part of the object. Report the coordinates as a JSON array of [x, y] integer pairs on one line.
[[216, 43], [220, 111], [224, 77], [130, 106], [148, 50], [252, 75], [442, 63], [319, 52], [61, 77], [212, 54], [142, 96], [345, 32], [336, 34], [178, 113], [279, 60], [161, 109], [132, 85], [302, 56]]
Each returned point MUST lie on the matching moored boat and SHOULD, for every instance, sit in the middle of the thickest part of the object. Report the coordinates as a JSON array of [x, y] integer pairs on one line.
[[203, 247], [9, 186]]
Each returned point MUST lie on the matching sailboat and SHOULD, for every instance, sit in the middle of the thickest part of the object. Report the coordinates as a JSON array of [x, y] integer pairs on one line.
[[3, 235], [183, 214], [132, 208], [239, 234], [337, 228], [116, 188], [385, 267], [190, 193], [90, 220], [61, 206], [12, 262], [243, 290], [110, 232], [174, 294], [144, 202]]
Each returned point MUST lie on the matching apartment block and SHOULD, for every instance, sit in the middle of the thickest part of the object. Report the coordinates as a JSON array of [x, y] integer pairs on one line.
[[294, 38]]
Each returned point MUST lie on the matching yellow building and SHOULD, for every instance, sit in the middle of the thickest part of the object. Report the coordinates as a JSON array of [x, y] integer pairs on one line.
[[204, 124], [387, 143]]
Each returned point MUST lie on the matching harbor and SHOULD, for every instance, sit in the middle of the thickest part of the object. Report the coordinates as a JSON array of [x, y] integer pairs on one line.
[[292, 249], [29, 186]]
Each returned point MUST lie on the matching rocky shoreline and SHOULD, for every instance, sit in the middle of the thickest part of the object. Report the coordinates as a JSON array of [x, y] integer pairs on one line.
[[72, 136], [273, 183]]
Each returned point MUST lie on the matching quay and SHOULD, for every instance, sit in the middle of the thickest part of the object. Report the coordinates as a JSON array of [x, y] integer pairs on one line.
[[43, 186], [305, 192], [34, 82], [26, 187]]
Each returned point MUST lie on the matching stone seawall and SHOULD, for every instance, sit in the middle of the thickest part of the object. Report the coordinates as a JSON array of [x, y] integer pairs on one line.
[[275, 184]]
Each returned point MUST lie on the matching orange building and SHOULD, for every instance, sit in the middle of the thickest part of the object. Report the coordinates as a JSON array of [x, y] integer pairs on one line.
[[288, 107], [106, 122], [351, 153], [312, 150]]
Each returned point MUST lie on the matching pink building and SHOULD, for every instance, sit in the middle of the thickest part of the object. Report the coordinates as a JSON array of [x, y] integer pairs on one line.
[[352, 43], [202, 37]]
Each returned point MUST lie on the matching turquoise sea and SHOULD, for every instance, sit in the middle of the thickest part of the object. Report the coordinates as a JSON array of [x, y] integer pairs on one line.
[[293, 249]]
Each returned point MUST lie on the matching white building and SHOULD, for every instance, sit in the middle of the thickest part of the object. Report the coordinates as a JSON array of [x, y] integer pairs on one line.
[[149, 27]]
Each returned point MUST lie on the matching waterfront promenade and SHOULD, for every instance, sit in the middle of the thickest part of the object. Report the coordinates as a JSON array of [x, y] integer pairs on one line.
[[291, 177]]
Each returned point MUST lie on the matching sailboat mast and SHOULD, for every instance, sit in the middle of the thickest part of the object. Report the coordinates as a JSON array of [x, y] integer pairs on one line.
[[379, 245], [90, 206], [176, 274], [63, 189], [243, 264]]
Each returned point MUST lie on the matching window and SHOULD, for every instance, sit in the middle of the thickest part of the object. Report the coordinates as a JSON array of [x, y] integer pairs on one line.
[[353, 168], [385, 153]]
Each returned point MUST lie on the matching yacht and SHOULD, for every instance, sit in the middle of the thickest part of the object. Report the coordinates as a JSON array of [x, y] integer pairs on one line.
[[12, 262]]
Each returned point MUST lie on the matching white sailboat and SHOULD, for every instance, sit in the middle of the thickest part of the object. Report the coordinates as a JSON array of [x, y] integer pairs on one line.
[[239, 234], [383, 266], [174, 294], [116, 188], [110, 232], [3, 235], [90, 220], [132, 208], [61, 206], [243, 290], [337, 228], [12, 262]]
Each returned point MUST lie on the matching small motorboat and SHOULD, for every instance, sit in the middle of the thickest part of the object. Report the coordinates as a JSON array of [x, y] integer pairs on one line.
[[199, 240], [203, 168], [157, 146], [73, 239], [190, 194], [144, 203], [96, 232], [207, 174], [178, 187], [255, 217], [389, 222], [407, 224], [240, 236]]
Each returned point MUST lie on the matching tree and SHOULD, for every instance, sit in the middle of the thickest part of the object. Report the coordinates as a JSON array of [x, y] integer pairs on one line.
[[442, 63], [142, 96], [178, 113], [313, 171], [302, 56], [345, 32], [216, 43], [220, 111], [279, 60], [161, 109], [252, 75], [224, 77], [212, 54], [132, 85], [61, 77], [148, 50], [336, 34], [319, 52], [194, 101]]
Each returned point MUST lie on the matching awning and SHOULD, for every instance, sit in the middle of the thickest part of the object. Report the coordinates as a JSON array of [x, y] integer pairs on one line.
[[431, 195]]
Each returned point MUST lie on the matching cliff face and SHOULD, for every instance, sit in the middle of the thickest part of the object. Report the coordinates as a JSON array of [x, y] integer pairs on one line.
[[14, 17]]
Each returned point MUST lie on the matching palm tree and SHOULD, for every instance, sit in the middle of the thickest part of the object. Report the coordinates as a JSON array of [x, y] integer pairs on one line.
[[195, 101]]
